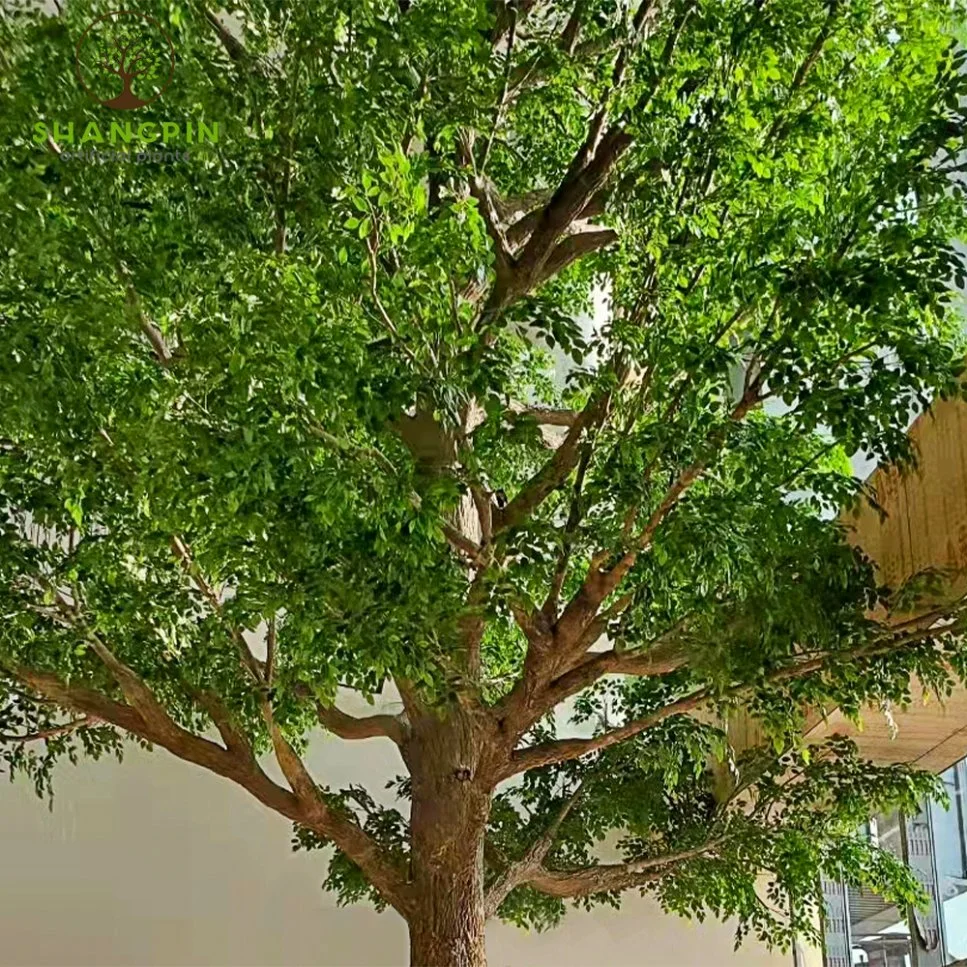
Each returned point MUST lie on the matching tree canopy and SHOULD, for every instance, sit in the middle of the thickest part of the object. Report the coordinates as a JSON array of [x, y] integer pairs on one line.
[[510, 356]]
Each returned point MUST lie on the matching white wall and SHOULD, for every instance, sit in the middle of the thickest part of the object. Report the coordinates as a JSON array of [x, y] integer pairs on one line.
[[157, 862]]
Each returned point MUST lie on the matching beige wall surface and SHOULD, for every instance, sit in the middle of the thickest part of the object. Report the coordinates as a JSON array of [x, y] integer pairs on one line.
[[155, 862]]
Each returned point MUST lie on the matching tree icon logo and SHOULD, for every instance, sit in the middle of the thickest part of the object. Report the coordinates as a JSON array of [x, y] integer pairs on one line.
[[125, 60]]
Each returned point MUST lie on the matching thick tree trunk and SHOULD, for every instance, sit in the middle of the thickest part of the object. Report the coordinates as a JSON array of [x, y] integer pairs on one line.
[[450, 807], [447, 759], [448, 930]]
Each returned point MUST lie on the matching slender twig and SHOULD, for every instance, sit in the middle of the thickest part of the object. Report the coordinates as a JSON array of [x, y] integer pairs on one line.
[[567, 540], [501, 104], [42, 735], [249, 661], [384, 316], [270, 646]]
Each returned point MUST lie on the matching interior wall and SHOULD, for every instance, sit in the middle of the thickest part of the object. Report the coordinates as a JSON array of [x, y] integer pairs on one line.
[[156, 862]]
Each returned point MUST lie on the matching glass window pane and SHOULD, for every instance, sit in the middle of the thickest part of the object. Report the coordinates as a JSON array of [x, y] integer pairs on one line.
[[881, 937], [878, 934], [950, 841]]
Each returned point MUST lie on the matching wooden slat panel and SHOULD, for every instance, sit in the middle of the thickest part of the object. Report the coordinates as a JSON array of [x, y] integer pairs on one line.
[[925, 527]]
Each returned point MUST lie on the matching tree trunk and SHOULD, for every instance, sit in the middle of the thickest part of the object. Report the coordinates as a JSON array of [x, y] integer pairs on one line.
[[448, 929], [450, 807], [447, 759]]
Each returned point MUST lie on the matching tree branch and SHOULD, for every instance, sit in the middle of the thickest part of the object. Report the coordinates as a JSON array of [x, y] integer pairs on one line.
[[481, 192], [661, 658], [271, 643], [236, 741], [145, 717], [233, 46], [502, 103], [413, 705], [582, 610], [530, 864], [815, 52], [460, 542], [343, 831], [540, 232], [611, 876], [139, 696], [151, 332], [575, 246], [372, 249], [365, 727], [178, 741], [584, 180], [181, 551], [543, 415], [42, 735], [521, 227], [556, 470], [563, 750], [574, 516], [508, 12], [572, 29]]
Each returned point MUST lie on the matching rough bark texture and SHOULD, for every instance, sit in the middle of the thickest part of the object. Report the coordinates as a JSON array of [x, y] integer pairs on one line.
[[448, 929], [450, 808]]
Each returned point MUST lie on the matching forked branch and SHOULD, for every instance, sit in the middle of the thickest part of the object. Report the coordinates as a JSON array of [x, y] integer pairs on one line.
[[530, 865], [564, 750], [142, 715]]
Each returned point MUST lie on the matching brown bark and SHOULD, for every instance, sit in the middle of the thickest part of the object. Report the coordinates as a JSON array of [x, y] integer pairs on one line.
[[448, 928], [363, 727], [610, 876], [450, 808], [468, 526]]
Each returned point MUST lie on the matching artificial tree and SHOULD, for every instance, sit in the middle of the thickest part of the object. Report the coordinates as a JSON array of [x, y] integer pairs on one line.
[[321, 408]]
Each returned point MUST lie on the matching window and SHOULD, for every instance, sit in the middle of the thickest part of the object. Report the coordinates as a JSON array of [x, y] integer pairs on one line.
[[950, 846], [879, 935], [863, 931]]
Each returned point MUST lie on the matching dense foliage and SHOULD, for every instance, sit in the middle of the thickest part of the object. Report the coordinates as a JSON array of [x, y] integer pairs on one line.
[[486, 333]]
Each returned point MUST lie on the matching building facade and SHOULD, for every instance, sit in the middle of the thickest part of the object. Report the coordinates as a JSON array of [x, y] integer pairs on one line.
[[862, 929]]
